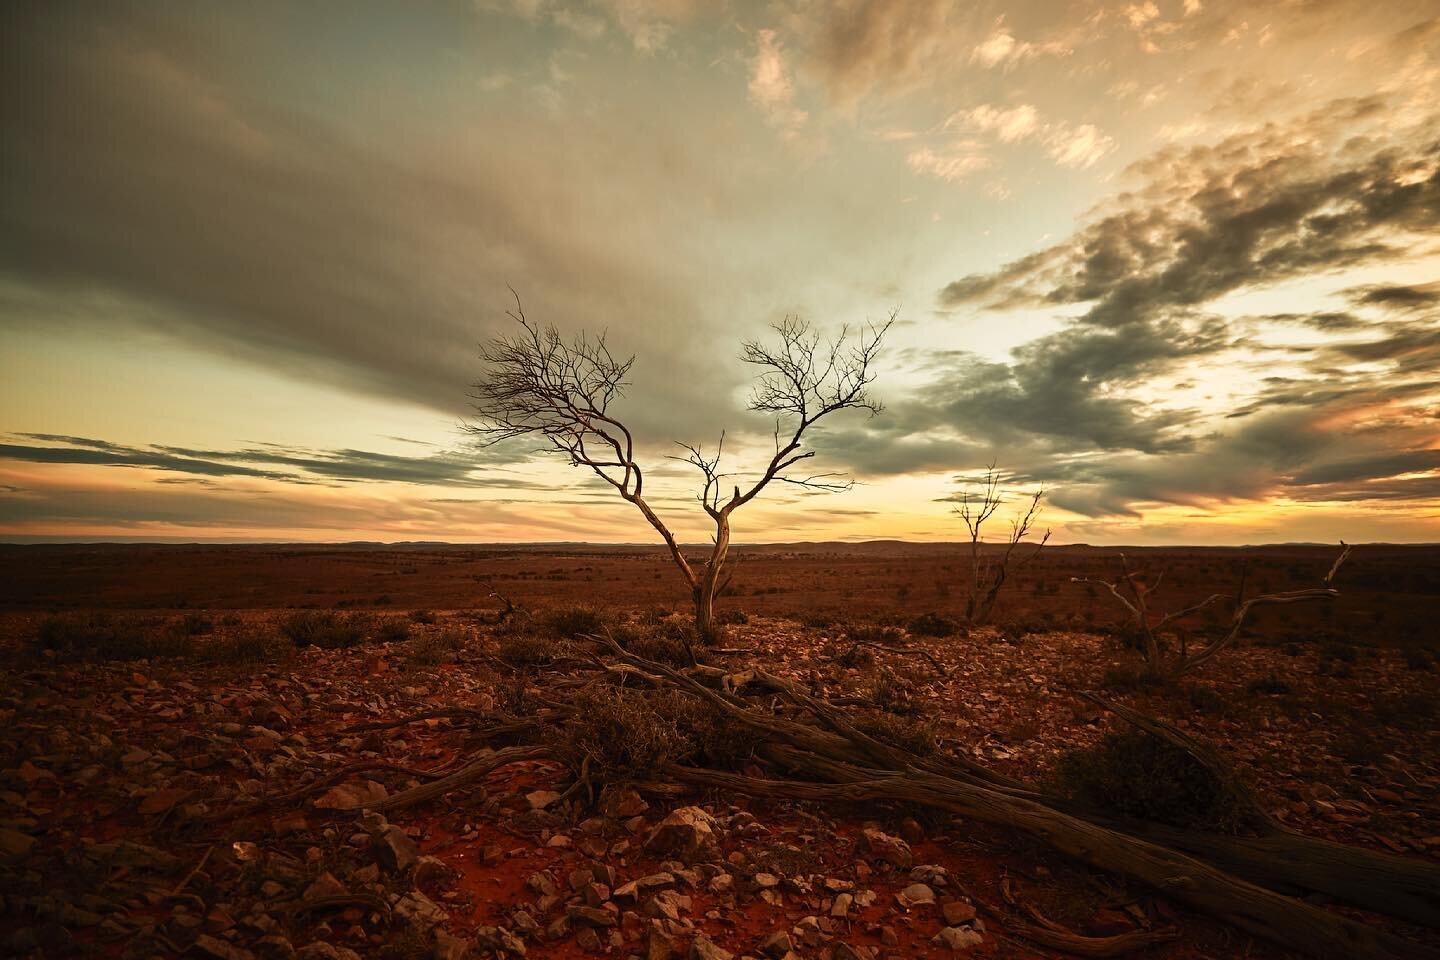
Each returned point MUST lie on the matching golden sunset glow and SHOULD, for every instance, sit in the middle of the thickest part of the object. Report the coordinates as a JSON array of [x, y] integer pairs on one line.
[[1174, 262]]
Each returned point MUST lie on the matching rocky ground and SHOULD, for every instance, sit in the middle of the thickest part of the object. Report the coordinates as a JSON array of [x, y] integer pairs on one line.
[[223, 805]]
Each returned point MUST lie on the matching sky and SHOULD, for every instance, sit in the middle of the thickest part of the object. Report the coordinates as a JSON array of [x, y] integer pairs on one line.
[[1176, 263]]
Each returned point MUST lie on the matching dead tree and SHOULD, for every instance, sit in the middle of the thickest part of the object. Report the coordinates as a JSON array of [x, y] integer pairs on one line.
[[988, 575], [1148, 629], [537, 383]]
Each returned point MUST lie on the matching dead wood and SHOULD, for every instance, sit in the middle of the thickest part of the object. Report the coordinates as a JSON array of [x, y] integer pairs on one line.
[[472, 772], [826, 757], [901, 651], [1272, 916], [1038, 928]]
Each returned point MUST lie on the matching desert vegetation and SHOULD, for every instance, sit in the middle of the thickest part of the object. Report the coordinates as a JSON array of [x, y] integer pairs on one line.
[[465, 761], [539, 384]]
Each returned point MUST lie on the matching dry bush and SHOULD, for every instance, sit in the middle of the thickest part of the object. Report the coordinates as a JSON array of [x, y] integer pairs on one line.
[[531, 649], [326, 629], [394, 630], [635, 734], [914, 734], [249, 644], [1142, 777], [574, 621], [874, 633], [933, 625], [100, 636], [1271, 685], [437, 647], [663, 643], [891, 693]]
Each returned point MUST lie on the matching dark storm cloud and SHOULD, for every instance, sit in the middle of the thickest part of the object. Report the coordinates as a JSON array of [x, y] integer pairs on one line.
[[1399, 296], [448, 468], [147, 162], [1257, 208]]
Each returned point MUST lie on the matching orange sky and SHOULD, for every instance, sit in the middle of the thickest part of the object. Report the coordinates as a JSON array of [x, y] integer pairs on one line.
[[1176, 263]]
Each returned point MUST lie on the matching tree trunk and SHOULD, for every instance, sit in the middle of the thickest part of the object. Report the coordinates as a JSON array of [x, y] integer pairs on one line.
[[705, 628]]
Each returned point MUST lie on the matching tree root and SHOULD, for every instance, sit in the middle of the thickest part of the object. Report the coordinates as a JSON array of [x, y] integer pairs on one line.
[[472, 772]]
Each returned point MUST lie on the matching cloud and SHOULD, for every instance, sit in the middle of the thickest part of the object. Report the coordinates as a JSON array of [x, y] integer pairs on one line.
[[772, 84], [287, 235], [1256, 208], [1081, 146], [953, 163], [647, 24], [1344, 419], [1069, 146], [459, 468]]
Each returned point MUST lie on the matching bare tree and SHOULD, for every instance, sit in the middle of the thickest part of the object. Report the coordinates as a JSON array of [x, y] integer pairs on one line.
[[988, 574], [1138, 605], [538, 383]]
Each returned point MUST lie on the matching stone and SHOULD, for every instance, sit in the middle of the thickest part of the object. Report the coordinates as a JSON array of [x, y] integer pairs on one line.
[[687, 834], [320, 950], [911, 831], [914, 895], [420, 910], [355, 795], [325, 885], [593, 916], [14, 844], [958, 938], [449, 947], [841, 906], [499, 940], [957, 912], [650, 883], [776, 945], [161, 801], [208, 946], [705, 949], [432, 871], [395, 849], [878, 845], [541, 799]]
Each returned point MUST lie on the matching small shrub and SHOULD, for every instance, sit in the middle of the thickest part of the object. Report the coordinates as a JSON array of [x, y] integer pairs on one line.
[[1205, 699], [1417, 659], [247, 645], [891, 694], [104, 637], [1335, 650], [1271, 685], [325, 629], [197, 624], [663, 644], [849, 654], [1419, 711], [917, 735], [572, 622], [933, 625], [1127, 679], [632, 734], [532, 649], [394, 630], [1135, 775], [441, 646], [886, 635]]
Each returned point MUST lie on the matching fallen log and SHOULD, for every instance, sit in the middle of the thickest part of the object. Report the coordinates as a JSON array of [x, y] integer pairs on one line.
[[1282, 920]]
